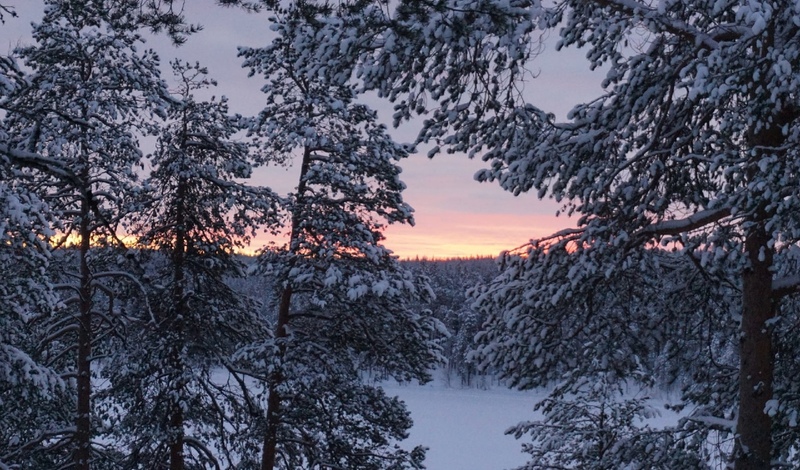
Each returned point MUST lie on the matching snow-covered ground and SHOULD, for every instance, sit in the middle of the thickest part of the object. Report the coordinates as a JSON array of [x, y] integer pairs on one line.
[[465, 427]]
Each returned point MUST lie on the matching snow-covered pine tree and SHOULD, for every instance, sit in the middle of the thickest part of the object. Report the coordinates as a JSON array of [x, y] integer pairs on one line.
[[182, 404], [88, 93], [659, 322], [344, 298], [598, 429], [692, 144], [31, 393], [168, 16]]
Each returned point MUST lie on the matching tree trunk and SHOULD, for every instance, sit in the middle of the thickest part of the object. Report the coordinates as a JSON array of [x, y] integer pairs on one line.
[[756, 366], [83, 425], [179, 310], [269, 451], [753, 447], [176, 461]]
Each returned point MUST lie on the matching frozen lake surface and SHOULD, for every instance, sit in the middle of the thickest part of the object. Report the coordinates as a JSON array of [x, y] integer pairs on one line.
[[465, 427]]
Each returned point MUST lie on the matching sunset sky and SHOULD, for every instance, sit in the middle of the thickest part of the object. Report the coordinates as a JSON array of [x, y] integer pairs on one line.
[[455, 215]]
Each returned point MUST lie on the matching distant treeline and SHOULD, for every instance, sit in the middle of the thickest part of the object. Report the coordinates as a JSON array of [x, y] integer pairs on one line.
[[450, 279]]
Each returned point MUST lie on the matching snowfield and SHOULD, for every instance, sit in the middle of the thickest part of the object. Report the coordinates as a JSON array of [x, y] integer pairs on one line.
[[464, 428]]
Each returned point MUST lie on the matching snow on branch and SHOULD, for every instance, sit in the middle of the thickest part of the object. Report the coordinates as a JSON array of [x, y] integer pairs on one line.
[[561, 235], [41, 163], [714, 422], [201, 448], [567, 232], [673, 25], [785, 286], [693, 222]]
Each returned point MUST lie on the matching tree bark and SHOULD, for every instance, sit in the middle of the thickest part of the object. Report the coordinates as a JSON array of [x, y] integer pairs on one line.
[[83, 425], [269, 450], [176, 325], [176, 461], [176, 444], [756, 366]]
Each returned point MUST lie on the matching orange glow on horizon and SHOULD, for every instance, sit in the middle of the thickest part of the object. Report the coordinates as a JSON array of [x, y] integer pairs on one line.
[[435, 235], [451, 235], [454, 235]]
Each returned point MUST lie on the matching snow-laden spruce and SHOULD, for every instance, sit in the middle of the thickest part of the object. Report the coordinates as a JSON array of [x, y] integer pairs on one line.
[[175, 398], [26, 296], [344, 300], [88, 91], [32, 393], [692, 145]]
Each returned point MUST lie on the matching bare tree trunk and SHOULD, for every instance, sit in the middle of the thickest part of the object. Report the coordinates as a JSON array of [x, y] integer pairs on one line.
[[83, 425], [269, 451], [176, 460], [756, 366], [176, 445]]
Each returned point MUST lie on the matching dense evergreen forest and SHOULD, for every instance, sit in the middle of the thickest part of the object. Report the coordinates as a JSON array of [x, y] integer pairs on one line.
[[134, 336], [450, 280]]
